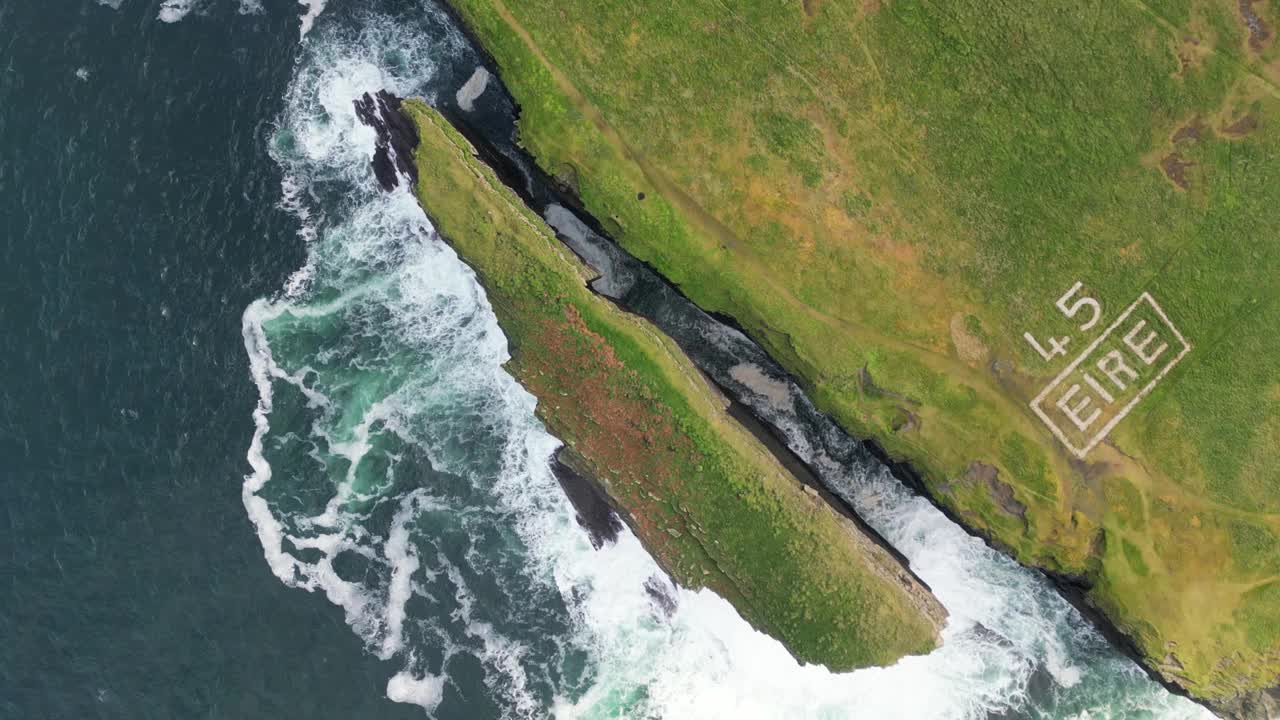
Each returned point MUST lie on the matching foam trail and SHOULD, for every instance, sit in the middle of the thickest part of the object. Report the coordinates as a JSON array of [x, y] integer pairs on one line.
[[314, 8]]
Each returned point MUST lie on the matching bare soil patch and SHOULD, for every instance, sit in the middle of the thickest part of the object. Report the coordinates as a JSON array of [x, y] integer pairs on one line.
[[1241, 127], [1192, 131], [1175, 169], [1260, 34]]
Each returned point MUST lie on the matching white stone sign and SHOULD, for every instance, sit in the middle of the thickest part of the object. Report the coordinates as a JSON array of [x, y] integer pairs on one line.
[[1106, 381]]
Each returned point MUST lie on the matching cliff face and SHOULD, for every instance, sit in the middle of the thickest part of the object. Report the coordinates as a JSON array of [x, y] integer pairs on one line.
[[710, 502], [941, 220], [1260, 705]]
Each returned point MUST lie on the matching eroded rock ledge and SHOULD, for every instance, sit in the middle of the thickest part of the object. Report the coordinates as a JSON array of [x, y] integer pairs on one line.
[[711, 504]]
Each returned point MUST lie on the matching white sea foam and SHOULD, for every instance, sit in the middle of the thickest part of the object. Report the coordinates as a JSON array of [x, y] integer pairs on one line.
[[425, 692], [404, 347], [171, 11], [381, 258], [314, 8], [403, 560]]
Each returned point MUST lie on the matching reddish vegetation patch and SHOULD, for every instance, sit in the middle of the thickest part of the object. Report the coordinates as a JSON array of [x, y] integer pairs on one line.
[[1242, 127], [1260, 33], [1191, 131], [610, 418], [1175, 168], [811, 7], [606, 354]]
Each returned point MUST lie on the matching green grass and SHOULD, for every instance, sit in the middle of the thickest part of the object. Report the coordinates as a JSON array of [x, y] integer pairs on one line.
[[847, 184], [706, 498]]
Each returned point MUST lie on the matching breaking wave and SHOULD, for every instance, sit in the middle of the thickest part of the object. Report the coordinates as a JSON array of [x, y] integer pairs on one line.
[[398, 470], [313, 10]]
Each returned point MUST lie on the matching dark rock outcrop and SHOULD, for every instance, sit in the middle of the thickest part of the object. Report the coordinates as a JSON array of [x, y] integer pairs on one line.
[[594, 511], [1260, 705], [397, 137]]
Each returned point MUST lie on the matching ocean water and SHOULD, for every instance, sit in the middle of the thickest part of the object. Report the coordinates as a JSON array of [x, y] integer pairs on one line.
[[263, 457]]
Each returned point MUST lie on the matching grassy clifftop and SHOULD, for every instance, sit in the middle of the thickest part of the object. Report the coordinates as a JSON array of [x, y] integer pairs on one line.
[[712, 505], [898, 196]]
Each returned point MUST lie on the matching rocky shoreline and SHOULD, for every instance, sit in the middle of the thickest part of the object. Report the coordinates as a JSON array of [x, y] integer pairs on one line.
[[713, 507], [598, 514]]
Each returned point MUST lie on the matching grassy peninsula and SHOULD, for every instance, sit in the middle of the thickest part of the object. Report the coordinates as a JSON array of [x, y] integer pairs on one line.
[[892, 194], [715, 508]]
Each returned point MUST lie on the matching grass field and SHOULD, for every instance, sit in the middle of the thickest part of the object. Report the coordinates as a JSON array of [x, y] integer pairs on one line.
[[707, 499], [889, 193]]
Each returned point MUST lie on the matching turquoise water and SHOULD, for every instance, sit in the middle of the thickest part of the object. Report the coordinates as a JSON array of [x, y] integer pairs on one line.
[[264, 460]]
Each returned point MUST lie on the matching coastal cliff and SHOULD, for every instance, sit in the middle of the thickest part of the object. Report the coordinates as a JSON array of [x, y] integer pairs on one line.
[[815, 171], [707, 499]]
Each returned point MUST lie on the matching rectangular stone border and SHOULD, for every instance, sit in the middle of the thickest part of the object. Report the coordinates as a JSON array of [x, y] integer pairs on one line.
[[1106, 429]]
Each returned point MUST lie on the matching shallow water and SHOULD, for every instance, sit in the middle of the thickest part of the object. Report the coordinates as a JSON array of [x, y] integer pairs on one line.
[[200, 262]]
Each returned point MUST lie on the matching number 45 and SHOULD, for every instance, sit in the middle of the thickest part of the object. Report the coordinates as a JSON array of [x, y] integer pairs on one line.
[[1058, 346]]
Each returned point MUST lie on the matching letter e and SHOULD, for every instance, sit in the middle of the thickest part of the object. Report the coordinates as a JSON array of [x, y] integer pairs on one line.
[[1074, 412], [1141, 350]]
